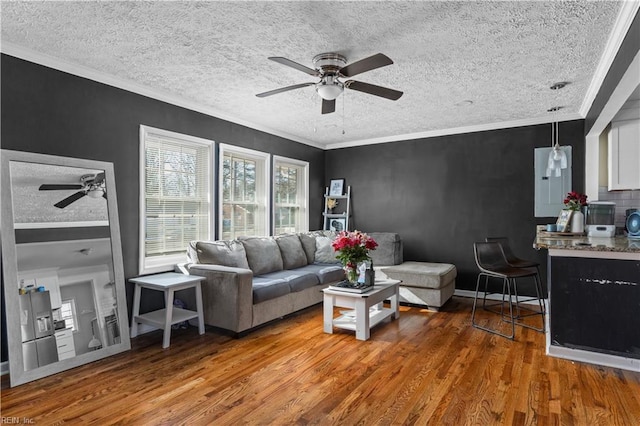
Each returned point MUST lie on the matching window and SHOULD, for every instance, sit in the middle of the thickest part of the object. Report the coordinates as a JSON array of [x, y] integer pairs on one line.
[[68, 314], [175, 196], [244, 177], [290, 193]]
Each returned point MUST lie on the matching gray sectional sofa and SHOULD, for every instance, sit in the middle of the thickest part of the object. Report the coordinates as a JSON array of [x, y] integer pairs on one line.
[[251, 281], [423, 283]]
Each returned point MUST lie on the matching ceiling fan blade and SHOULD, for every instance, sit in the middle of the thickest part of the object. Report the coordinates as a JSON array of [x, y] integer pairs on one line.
[[328, 106], [367, 64], [372, 89], [99, 178], [70, 199], [62, 186], [295, 65], [283, 89]]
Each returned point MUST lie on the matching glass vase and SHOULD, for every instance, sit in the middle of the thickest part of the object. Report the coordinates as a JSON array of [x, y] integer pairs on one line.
[[351, 272]]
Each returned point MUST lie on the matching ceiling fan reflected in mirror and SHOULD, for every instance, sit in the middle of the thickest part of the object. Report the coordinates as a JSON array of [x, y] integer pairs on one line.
[[330, 68], [91, 185]]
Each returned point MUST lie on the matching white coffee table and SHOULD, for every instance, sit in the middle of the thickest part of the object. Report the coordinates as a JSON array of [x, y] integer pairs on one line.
[[367, 309]]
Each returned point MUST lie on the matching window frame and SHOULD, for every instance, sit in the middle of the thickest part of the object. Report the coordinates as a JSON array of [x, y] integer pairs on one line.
[[265, 198], [155, 264], [304, 185], [74, 314]]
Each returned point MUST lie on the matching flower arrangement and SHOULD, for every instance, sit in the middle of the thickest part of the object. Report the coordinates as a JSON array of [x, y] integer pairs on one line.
[[331, 203], [575, 201], [353, 248]]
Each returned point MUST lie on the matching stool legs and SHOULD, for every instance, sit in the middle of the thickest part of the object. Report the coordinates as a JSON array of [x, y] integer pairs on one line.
[[509, 291], [475, 301], [530, 312]]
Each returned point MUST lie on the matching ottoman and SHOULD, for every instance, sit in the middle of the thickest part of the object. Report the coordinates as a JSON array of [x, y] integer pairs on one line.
[[423, 283]]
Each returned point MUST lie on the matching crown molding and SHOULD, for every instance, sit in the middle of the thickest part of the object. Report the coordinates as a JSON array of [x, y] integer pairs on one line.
[[49, 61], [621, 27], [458, 130]]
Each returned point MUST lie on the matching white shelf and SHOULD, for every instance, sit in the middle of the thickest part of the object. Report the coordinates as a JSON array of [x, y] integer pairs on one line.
[[335, 214], [348, 321], [345, 206], [156, 318]]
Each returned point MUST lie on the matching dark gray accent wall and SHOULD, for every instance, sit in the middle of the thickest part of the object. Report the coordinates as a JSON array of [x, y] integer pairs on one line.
[[628, 50], [52, 112], [444, 193]]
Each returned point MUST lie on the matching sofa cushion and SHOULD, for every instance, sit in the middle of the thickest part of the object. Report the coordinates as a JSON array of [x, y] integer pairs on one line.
[[268, 288], [293, 255], [326, 273], [324, 252], [298, 279], [423, 274], [223, 253], [263, 254], [389, 250], [308, 241]]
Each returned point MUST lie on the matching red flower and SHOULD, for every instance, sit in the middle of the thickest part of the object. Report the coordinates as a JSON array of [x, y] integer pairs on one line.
[[575, 200], [353, 247]]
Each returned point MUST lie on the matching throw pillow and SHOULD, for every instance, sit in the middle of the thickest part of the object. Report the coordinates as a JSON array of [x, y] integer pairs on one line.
[[324, 251], [308, 240], [224, 253]]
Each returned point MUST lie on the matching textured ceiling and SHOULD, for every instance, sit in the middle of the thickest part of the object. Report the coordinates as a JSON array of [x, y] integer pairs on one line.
[[502, 56]]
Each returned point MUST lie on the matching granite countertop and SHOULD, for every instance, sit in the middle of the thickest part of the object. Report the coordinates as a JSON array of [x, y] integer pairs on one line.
[[550, 240]]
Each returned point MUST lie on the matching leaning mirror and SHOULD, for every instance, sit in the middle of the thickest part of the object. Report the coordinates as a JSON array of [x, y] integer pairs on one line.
[[63, 278]]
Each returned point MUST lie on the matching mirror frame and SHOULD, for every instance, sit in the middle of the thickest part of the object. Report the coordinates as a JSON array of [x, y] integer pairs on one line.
[[10, 268]]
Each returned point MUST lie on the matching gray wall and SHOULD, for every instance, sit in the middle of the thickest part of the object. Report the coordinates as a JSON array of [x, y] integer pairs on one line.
[[443, 194], [51, 112]]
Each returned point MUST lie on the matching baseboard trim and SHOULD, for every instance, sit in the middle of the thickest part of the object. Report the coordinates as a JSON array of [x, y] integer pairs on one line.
[[595, 358], [525, 300], [4, 368]]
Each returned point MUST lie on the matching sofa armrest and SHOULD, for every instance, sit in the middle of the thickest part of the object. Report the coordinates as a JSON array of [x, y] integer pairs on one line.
[[227, 296]]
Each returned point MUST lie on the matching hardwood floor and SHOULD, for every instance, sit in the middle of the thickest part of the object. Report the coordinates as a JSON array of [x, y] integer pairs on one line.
[[425, 368]]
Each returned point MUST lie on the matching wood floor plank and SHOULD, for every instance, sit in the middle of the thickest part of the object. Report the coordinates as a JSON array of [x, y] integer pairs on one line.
[[424, 368]]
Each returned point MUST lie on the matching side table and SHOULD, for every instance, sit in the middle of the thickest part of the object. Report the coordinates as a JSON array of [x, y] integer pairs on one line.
[[169, 283]]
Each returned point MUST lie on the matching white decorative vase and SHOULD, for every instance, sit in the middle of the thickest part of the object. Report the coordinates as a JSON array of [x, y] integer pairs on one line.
[[577, 222]]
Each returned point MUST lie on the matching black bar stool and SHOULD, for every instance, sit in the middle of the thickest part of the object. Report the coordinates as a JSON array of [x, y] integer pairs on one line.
[[492, 263], [517, 262]]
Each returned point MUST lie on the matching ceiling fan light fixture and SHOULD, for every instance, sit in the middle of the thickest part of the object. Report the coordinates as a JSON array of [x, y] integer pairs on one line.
[[96, 193], [329, 89]]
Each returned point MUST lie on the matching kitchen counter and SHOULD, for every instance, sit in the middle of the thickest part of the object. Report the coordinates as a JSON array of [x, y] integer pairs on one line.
[[583, 246], [593, 298]]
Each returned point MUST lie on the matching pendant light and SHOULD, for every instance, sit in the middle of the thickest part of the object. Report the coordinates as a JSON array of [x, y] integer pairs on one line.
[[557, 157]]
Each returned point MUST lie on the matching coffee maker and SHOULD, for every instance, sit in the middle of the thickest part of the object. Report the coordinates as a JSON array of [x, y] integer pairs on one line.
[[601, 219]]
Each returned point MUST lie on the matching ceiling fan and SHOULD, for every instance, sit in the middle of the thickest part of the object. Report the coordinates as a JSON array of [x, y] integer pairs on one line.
[[91, 185], [330, 67]]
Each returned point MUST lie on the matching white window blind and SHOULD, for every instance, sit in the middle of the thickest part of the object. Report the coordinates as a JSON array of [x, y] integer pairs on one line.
[[290, 189], [176, 193], [244, 188]]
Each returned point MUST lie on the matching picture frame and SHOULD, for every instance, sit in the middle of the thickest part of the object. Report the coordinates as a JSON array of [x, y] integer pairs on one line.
[[563, 220], [336, 187], [337, 224]]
